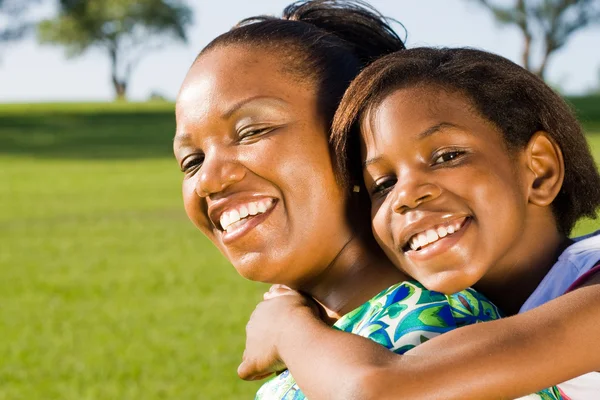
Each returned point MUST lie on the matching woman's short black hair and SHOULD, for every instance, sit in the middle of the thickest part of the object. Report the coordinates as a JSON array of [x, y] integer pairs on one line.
[[326, 41], [513, 99]]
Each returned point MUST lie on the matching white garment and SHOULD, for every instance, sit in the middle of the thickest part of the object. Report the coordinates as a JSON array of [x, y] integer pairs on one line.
[[575, 261]]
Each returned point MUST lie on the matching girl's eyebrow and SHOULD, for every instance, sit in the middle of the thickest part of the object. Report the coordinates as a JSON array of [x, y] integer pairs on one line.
[[426, 133], [435, 129], [370, 161]]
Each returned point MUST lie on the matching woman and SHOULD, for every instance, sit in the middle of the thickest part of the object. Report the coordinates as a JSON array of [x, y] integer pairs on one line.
[[253, 117]]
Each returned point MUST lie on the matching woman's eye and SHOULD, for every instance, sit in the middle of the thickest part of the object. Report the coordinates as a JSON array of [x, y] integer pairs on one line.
[[383, 185], [448, 156], [249, 133], [192, 164]]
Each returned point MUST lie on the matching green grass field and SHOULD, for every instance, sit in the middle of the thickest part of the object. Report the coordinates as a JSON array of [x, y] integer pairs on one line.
[[106, 289]]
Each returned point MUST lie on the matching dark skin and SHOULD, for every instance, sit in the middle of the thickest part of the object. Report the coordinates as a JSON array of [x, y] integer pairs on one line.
[[430, 161], [452, 164], [249, 135]]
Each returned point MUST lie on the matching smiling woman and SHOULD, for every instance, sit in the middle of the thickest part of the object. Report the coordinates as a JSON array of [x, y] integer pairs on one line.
[[253, 121]]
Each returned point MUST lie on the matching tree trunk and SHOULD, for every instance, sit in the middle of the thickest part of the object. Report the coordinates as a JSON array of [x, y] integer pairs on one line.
[[119, 85], [120, 89], [550, 48], [526, 50]]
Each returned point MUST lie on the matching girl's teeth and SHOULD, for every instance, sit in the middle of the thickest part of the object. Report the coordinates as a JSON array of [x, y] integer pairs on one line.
[[262, 207], [431, 236], [422, 238], [441, 231], [252, 209], [243, 212]]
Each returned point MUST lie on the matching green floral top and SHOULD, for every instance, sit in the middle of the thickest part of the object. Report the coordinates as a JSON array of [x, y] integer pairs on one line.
[[400, 318]]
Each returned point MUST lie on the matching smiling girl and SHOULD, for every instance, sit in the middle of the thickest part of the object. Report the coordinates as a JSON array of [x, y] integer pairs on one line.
[[477, 172], [253, 122]]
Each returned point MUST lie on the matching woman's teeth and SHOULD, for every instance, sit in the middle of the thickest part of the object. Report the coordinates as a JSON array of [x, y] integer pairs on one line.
[[232, 219], [432, 235]]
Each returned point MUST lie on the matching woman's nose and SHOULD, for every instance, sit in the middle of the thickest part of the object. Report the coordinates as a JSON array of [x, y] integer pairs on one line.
[[217, 174]]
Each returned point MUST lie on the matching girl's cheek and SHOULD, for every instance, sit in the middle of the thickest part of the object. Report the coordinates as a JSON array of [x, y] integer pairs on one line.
[[381, 228]]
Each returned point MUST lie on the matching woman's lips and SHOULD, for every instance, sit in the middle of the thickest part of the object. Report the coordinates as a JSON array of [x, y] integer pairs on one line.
[[243, 226], [437, 245]]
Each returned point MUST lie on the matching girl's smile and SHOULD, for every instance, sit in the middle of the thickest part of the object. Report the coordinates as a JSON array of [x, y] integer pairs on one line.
[[449, 200]]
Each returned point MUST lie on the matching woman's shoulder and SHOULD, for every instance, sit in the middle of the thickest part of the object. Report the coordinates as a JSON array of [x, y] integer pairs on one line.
[[407, 314]]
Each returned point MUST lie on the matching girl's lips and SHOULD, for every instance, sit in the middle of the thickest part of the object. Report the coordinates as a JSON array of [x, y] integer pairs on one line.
[[439, 246], [246, 225]]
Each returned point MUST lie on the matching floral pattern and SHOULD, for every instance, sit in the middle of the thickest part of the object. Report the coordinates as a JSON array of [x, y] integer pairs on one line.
[[400, 318]]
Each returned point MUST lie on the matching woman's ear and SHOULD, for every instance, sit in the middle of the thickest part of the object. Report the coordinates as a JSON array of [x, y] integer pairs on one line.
[[545, 160]]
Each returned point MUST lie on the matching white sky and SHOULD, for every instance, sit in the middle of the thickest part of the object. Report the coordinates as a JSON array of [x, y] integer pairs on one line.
[[31, 73]]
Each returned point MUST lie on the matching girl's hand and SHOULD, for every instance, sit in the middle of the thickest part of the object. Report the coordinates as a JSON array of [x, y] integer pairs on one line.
[[267, 323]]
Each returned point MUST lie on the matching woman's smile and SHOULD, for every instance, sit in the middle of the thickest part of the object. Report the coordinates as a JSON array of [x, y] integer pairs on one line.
[[237, 221], [258, 174]]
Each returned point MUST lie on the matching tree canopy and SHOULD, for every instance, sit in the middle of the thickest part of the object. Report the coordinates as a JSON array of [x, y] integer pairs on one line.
[[125, 29], [551, 23]]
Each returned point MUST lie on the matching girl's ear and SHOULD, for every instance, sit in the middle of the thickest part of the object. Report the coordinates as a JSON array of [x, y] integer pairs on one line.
[[545, 160]]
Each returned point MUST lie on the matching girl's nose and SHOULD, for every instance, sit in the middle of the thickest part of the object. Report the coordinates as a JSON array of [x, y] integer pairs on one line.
[[410, 193], [217, 174]]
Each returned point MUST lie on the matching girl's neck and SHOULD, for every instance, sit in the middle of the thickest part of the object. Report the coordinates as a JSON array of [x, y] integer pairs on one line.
[[359, 272], [512, 285]]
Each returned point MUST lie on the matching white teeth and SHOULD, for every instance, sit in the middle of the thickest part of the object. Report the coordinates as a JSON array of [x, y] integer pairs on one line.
[[252, 209], [225, 220], [422, 238], [262, 207], [234, 216], [429, 236], [229, 219]]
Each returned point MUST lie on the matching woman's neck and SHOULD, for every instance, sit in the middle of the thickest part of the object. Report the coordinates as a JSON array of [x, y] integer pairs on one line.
[[357, 273]]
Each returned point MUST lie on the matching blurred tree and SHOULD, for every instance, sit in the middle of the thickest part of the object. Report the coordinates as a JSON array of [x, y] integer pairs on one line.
[[126, 29], [13, 24], [549, 22]]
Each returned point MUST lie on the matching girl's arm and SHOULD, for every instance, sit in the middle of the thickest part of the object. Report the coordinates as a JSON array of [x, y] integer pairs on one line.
[[500, 359]]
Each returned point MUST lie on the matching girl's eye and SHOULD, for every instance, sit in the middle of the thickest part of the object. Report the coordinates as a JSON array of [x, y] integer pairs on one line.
[[192, 164], [383, 186], [448, 156]]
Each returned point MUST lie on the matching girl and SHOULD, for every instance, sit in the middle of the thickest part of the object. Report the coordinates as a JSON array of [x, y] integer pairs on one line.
[[253, 118], [477, 172]]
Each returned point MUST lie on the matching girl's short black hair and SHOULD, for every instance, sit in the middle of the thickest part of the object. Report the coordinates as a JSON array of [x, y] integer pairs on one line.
[[516, 101], [326, 41]]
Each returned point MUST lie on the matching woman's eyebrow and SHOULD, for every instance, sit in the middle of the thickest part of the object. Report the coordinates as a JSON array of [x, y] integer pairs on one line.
[[251, 101]]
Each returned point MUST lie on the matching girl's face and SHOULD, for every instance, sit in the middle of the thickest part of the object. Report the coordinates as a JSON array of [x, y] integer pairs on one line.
[[258, 177], [449, 205]]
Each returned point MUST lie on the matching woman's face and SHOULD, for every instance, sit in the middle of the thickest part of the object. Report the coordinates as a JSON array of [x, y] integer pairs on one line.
[[449, 203], [258, 177]]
